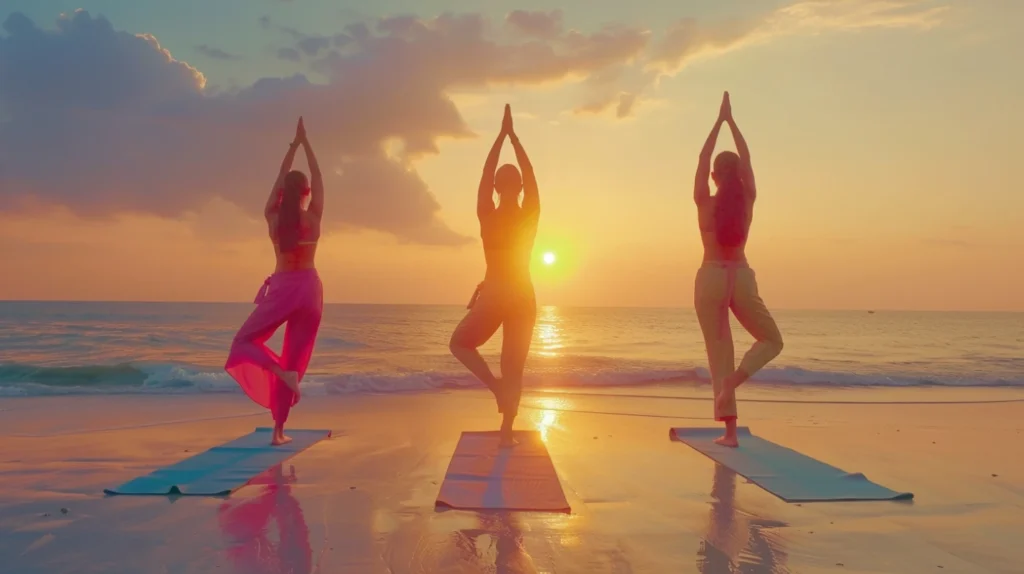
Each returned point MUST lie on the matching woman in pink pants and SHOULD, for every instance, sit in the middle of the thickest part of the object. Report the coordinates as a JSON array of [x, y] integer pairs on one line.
[[725, 280], [293, 295]]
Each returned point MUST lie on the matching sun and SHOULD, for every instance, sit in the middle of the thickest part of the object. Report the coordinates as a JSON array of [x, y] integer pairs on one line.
[[549, 258]]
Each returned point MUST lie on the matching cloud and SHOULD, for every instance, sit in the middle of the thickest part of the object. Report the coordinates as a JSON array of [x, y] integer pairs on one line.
[[623, 105], [311, 46], [542, 25], [101, 120], [305, 44], [86, 63], [688, 39], [215, 53], [621, 89], [821, 15], [290, 54]]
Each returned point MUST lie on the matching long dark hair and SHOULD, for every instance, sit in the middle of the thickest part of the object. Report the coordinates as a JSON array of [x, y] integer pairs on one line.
[[294, 187], [730, 204]]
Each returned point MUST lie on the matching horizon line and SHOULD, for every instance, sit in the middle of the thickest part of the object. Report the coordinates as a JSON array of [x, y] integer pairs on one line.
[[652, 307]]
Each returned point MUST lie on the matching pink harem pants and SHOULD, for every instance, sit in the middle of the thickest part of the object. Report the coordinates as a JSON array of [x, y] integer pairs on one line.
[[294, 298]]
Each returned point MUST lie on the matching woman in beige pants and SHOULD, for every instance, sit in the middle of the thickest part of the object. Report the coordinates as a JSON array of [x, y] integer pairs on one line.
[[725, 280]]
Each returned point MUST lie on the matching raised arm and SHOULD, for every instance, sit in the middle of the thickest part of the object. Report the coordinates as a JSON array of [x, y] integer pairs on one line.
[[275, 192], [316, 178], [701, 188], [746, 168], [485, 193], [531, 194]]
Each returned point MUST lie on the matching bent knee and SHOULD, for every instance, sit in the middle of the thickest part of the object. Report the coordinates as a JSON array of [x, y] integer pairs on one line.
[[460, 342], [454, 344], [775, 344]]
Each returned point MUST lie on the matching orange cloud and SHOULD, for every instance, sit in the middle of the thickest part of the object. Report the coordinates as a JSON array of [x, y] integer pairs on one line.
[[101, 120], [108, 121]]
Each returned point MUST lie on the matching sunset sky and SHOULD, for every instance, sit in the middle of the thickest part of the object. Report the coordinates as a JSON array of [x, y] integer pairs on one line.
[[138, 142]]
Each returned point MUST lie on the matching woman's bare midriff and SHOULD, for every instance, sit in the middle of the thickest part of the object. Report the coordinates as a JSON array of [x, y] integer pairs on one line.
[[715, 252], [511, 274], [301, 258], [303, 255], [510, 266]]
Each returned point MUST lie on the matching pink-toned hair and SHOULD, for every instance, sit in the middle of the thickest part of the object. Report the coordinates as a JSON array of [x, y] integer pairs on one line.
[[730, 205], [294, 188]]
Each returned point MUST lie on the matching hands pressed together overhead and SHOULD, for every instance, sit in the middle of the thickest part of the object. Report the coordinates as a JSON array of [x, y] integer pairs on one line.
[[300, 133], [725, 112], [506, 122]]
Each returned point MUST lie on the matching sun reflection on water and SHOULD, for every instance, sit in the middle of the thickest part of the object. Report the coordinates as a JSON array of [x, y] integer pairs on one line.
[[548, 343], [549, 332]]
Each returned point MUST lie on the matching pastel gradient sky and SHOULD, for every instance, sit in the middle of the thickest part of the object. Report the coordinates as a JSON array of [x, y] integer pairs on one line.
[[138, 141]]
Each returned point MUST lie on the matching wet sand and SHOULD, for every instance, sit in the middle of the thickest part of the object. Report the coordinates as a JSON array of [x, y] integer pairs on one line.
[[363, 501]]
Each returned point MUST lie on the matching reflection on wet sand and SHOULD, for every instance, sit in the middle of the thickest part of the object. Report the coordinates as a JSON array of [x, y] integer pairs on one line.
[[499, 537], [547, 415], [246, 523], [737, 542]]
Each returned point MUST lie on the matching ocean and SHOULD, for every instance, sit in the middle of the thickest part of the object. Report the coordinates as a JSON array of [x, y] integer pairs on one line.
[[49, 348]]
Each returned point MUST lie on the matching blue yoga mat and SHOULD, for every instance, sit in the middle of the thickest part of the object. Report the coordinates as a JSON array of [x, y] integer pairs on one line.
[[222, 469], [791, 476]]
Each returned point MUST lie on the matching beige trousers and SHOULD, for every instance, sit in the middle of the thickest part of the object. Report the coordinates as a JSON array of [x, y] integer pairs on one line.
[[719, 286]]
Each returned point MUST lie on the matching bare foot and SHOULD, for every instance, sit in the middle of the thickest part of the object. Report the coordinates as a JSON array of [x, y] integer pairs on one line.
[[729, 441], [280, 440], [506, 439], [291, 378]]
